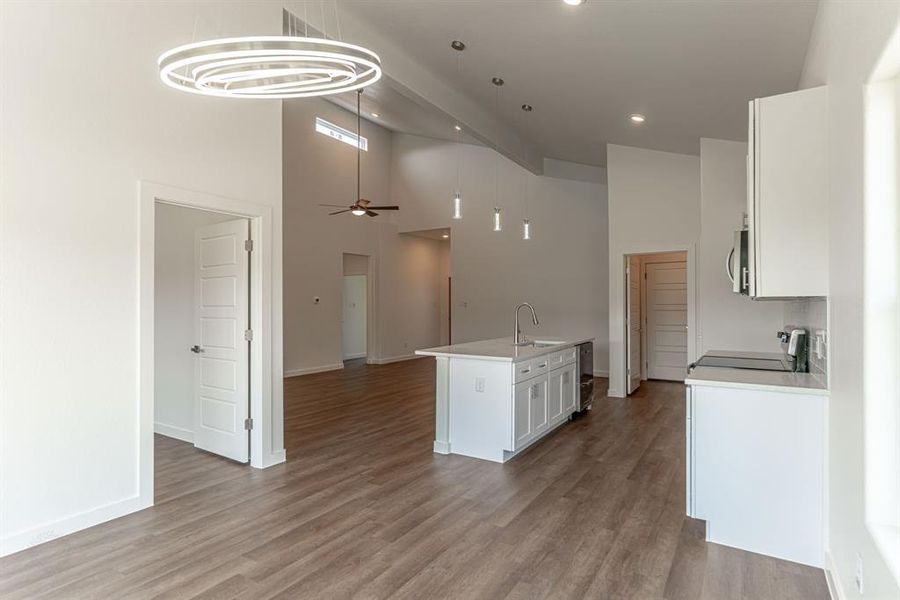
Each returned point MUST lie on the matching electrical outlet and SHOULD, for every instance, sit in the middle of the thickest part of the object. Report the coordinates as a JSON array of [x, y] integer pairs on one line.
[[479, 384], [860, 586]]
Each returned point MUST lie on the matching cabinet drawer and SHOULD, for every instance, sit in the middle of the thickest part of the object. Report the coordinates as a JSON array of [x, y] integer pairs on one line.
[[556, 359], [540, 365], [523, 370], [569, 355]]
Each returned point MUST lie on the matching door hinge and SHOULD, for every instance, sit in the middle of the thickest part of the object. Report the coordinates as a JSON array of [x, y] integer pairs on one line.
[[248, 424], [248, 335], [248, 245]]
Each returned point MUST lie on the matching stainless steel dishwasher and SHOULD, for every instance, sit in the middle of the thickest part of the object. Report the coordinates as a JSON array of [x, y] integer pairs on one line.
[[585, 375]]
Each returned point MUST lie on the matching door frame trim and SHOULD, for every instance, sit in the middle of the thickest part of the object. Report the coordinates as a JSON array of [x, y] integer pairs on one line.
[[266, 391], [618, 358]]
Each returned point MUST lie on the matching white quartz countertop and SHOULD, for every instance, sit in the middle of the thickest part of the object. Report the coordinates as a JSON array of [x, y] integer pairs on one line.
[[502, 349], [777, 381]]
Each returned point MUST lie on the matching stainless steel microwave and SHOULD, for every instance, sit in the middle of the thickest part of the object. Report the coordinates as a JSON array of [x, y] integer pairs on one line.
[[737, 265]]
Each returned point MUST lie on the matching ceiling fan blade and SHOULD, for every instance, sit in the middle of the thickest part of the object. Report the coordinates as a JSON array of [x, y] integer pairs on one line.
[[339, 212], [371, 214], [383, 207], [335, 205]]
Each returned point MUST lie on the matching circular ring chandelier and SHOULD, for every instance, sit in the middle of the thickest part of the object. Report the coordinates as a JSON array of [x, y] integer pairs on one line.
[[269, 67]]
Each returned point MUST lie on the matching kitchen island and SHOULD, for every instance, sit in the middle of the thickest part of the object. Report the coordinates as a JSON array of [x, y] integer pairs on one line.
[[494, 398]]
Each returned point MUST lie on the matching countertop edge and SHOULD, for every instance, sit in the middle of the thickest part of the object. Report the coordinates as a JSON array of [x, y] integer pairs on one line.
[[771, 387], [507, 359]]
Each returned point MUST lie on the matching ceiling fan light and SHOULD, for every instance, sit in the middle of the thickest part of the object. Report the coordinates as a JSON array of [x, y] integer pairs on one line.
[[358, 212]]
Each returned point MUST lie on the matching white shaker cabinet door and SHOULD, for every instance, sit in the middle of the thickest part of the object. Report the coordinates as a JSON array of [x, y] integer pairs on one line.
[[555, 395], [569, 389], [539, 414], [522, 429]]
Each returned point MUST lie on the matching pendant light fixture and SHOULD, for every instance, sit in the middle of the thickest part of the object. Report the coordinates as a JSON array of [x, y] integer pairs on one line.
[[458, 46], [266, 66], [526, 223], [498, 226], [359, 210]]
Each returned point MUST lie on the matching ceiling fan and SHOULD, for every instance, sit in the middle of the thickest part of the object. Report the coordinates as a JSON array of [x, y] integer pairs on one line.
[[361, 206]]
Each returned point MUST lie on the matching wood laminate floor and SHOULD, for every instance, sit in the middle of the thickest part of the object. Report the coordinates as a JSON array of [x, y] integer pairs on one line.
[[364, 509]]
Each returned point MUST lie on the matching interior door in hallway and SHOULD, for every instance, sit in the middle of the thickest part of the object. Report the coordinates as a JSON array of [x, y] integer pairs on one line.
[[221, 320], [666, 320], [353, 319], [633, 321]]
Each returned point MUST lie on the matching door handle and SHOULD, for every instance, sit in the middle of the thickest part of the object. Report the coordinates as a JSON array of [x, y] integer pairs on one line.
[[729, 266], [197, 349]]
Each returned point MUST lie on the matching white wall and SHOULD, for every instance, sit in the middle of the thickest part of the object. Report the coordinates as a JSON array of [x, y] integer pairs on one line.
[[725, 320], [562, 270], [846, 44], [445, 288], [71, 162], [405, 292], [173, 393], [654, 206]]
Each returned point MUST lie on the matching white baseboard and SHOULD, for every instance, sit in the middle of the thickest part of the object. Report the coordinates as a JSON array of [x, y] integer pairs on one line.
[[613, 393], [835, 589], [441, 447], [21, 540], [178, 433], [311, 370], [354, 356], [599, 373], [392, 359]]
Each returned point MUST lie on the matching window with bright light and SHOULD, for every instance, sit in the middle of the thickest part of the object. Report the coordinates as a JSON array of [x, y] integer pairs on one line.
[[339, 133], [881, 310]]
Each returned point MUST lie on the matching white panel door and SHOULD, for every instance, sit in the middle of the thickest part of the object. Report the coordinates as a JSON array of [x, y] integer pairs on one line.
[[221, 316], [667, 320], [633, 321], [353, 322]]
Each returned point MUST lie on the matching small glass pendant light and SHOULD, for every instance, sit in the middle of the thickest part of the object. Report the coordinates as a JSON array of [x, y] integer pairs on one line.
[[497, 225], [457, 207], [526, 229]]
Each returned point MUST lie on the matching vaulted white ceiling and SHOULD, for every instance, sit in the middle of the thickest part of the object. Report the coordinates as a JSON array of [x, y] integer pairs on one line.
[[689, 65]]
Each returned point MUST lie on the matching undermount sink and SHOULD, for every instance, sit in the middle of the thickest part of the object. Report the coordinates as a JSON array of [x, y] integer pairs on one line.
[[545, 344]]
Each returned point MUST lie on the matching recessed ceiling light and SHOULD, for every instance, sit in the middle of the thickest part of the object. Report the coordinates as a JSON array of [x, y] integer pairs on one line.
[[457, 127], [376, 115], [637, 118], [574, 2]]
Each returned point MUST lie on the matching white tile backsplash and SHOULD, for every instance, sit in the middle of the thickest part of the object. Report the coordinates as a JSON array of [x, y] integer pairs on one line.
[[811, 314]]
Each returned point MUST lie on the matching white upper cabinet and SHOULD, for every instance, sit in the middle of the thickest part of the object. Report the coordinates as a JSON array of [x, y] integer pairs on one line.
[[787, 195]]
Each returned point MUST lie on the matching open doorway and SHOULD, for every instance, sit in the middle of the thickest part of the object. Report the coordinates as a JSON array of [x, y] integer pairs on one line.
[[656, 319], [201, 329], [355, 307]]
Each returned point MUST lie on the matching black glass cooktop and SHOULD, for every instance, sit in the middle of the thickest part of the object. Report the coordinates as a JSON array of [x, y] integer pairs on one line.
[[759, 364]]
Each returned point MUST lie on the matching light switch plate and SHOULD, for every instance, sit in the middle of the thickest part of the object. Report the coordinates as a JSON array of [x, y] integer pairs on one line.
[[479, 384]]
